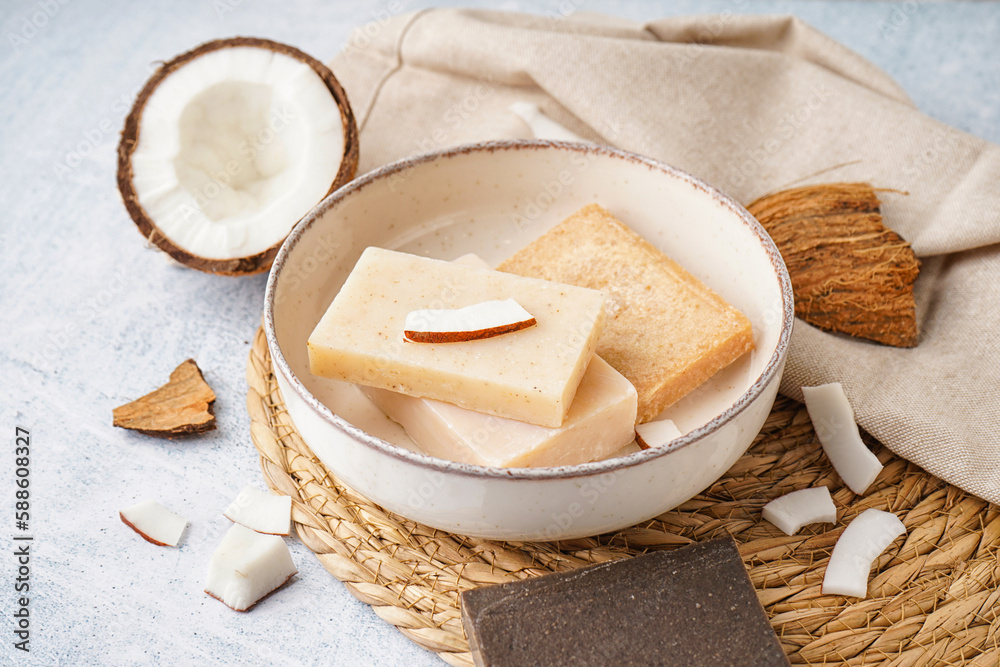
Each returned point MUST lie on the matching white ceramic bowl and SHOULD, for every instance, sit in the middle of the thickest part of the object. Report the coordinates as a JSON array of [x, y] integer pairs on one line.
[[492, 199]]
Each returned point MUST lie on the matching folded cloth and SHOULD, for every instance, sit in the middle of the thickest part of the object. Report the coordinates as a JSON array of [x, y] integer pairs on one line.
[[751, 104]]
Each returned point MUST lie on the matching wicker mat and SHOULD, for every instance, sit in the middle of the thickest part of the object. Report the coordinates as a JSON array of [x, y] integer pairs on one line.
[[933, 596]]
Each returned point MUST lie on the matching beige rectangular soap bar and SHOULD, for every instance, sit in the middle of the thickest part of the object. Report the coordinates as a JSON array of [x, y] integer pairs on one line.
[[667, 332], [529, 375], [600, 421]]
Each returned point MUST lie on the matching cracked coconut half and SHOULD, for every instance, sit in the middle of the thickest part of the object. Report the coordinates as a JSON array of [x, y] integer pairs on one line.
[[228, 146]]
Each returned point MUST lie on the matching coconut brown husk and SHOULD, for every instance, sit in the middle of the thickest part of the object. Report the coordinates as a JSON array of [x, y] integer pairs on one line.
[[849, 272], [183, 406], [130, 136]]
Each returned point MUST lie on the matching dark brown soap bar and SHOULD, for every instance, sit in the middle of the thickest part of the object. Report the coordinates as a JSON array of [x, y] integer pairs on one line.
[[691, 606]]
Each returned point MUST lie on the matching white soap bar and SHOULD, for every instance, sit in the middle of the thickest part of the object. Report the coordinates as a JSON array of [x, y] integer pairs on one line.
[[529, 375], [600, 421]]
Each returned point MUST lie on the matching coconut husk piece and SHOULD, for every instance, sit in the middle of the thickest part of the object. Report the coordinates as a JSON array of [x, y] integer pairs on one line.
[[849, 272], [183, 406]]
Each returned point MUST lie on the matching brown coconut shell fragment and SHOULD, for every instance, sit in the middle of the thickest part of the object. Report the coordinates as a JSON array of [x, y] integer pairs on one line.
[[236, 266], [183, 406], [849, 272]]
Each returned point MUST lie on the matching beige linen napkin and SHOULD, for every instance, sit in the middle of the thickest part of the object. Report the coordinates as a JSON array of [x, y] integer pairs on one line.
[[752, 105]]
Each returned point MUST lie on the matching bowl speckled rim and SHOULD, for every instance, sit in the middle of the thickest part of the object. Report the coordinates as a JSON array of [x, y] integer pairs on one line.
[[773, 366]]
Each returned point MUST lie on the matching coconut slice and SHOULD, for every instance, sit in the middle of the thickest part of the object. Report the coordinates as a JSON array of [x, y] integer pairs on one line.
[[154, 522], [656, 433], [799, 508], [859, 545], [541, 125], [246, 566], [833, 419], [480, 320], [183, 406], [261, 511], [228, 146]]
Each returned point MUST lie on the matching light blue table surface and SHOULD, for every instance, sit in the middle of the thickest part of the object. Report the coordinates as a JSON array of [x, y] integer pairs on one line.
[[89, 319]]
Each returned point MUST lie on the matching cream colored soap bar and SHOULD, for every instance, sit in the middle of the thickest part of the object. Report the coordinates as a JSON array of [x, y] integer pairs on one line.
[[601, 421], [667, 332], [529, 375]]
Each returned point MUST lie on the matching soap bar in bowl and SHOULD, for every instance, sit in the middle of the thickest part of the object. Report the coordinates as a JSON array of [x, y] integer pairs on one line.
[[667, 331], [600, 422], [530, 375]]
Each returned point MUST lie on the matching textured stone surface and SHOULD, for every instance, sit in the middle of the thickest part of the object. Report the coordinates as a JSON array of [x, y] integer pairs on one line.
[[691, 606], [90, 319]]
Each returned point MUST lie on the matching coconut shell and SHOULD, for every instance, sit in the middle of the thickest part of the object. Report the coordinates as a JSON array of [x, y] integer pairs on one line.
[[849, 272], [130, 136], [183, 406]]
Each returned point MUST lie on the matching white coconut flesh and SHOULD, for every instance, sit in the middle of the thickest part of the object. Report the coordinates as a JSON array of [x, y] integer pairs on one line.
[[234, 148]]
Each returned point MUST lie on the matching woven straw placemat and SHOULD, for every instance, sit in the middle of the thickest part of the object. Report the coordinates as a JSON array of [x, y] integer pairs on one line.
[[933, 597]]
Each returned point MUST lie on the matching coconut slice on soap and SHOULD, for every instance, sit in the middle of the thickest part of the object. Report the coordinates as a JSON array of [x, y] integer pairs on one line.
[[475, 322], [154, 523], [228, 146]]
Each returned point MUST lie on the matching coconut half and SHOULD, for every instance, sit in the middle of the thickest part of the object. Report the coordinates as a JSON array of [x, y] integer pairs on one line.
[[228, 146]]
